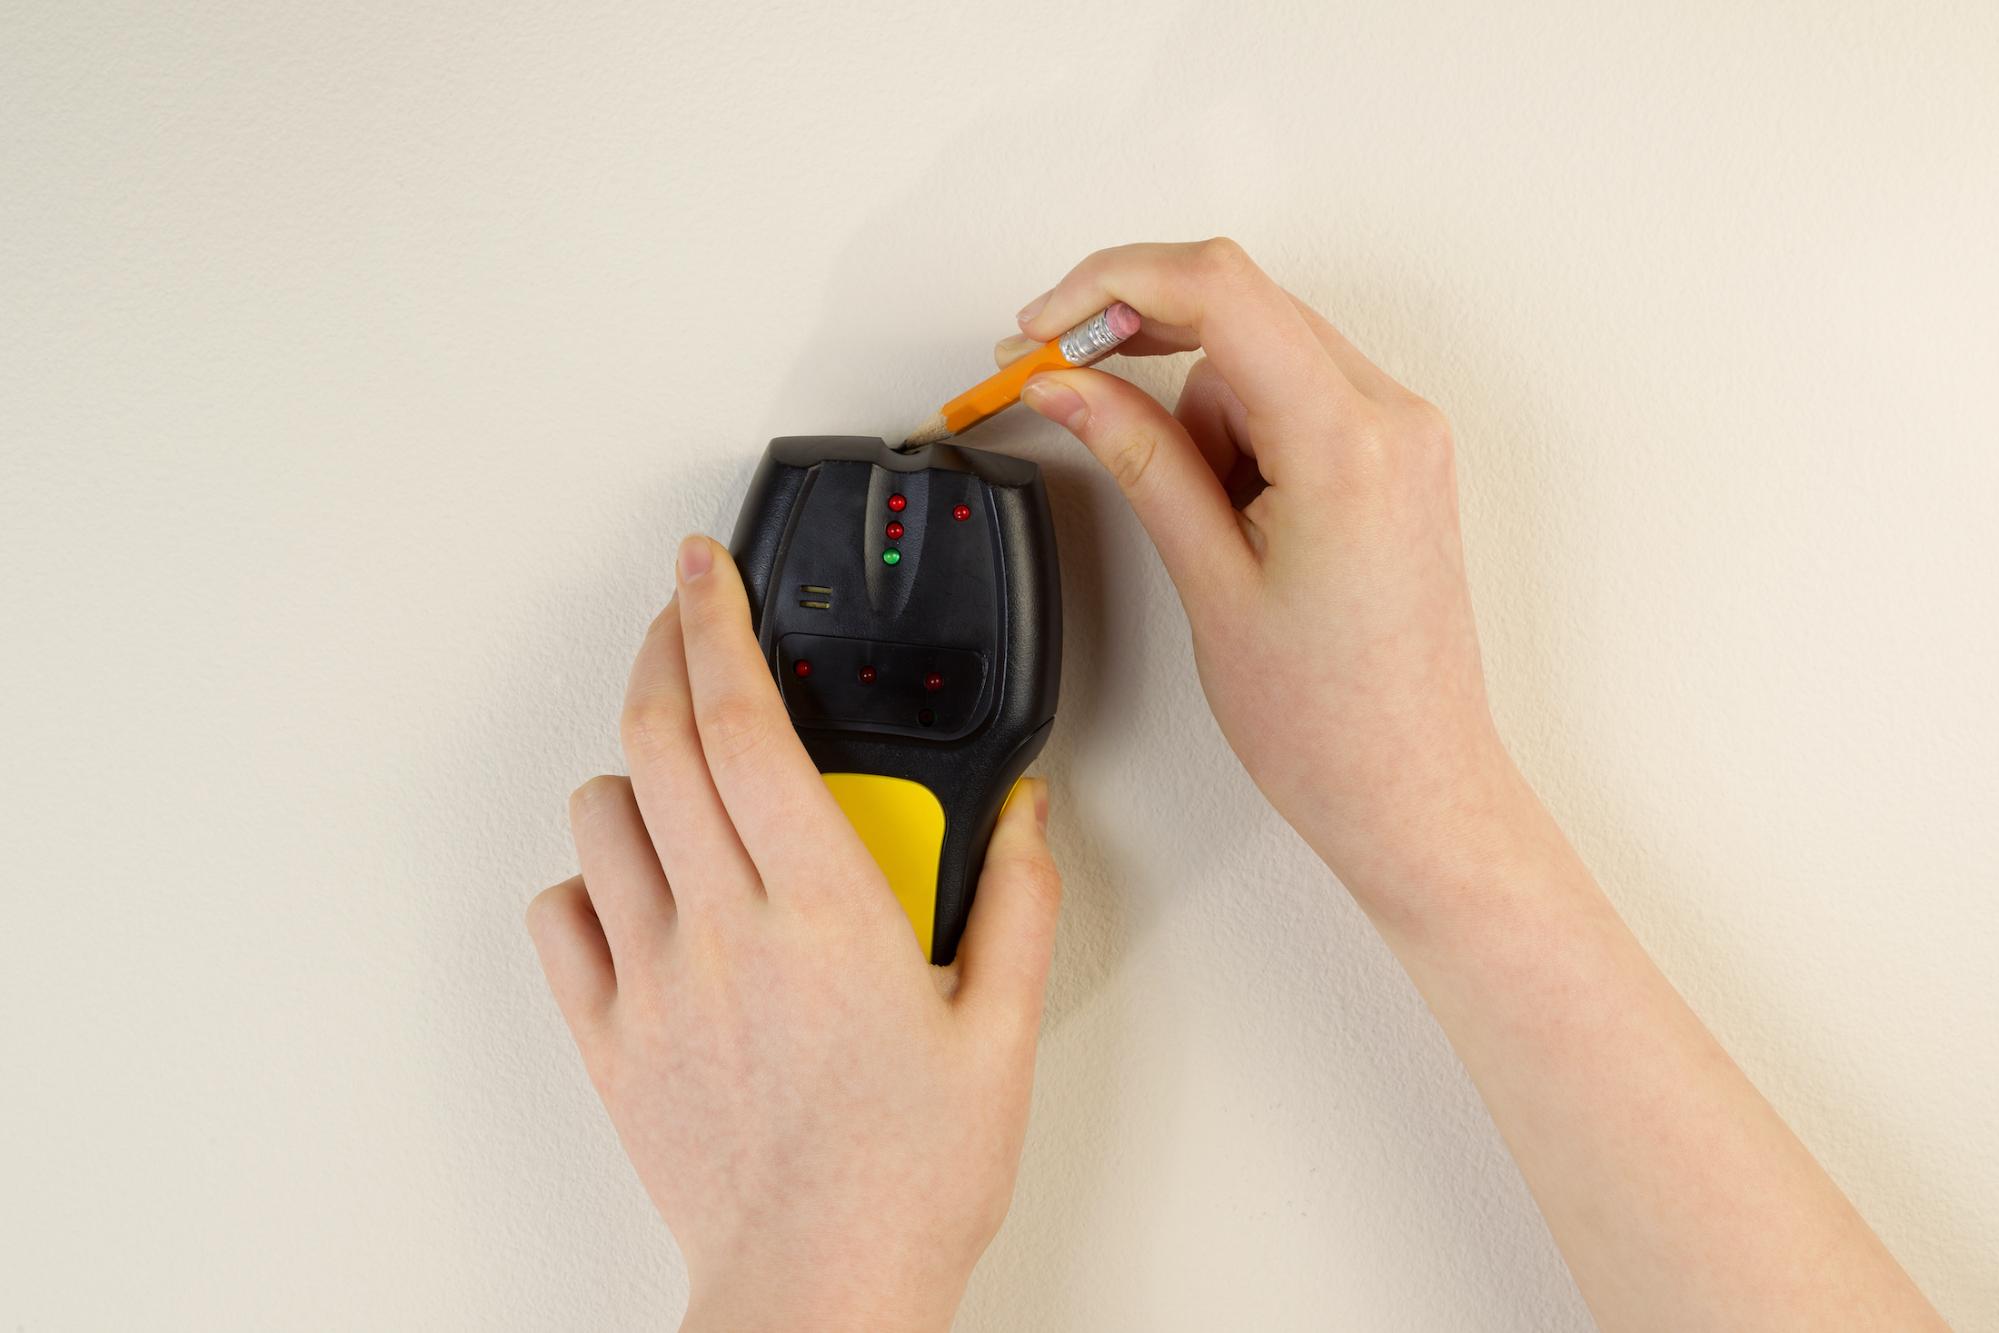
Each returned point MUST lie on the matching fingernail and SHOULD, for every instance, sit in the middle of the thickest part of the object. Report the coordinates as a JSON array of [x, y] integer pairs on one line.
[[1036, 791], [1055, 400], [1033, 308], [1010, 349], [697, 553]]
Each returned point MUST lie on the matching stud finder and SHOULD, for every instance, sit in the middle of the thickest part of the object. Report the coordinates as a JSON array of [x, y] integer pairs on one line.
[[910, 609]]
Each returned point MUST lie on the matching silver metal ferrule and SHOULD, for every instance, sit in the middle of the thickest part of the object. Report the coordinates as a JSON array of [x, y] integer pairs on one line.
[[1089, 340]]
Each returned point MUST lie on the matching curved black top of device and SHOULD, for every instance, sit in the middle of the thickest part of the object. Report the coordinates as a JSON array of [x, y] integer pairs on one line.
[[817, 516]]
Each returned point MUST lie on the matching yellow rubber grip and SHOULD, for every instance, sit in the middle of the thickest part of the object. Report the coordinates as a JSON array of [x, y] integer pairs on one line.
[[902, 824]]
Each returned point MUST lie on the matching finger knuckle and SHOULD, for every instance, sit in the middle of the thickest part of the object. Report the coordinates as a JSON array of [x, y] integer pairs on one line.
[[1130, 455], [1041, 883], [709, 616], [1098, 263], [1030, 873], [652, 727], [536, 914], [547, 906], [591, 801], [733, 725], [1426, 426], [1223, 259]]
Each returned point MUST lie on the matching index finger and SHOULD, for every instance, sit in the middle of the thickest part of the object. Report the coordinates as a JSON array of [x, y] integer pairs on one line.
[[792, 828], [1252, 330]]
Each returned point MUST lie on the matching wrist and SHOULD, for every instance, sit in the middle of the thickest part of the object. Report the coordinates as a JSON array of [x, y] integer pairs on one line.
[[795, 1302], [1431, 850]]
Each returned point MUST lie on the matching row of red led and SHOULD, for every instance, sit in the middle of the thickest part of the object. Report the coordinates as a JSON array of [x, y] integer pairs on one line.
[[896, 504], [932, 681]]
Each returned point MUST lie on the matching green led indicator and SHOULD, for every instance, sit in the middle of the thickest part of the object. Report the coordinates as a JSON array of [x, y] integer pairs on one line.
[[891, 556]]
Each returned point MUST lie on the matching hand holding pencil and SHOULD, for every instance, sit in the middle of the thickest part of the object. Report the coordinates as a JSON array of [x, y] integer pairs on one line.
[[1090, 341]]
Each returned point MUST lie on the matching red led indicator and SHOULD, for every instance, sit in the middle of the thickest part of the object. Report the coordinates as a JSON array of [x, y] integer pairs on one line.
[[897, 503], [895, 532], [867, 675], [933, 682], [801, 668], [961, 512], [926, 717]]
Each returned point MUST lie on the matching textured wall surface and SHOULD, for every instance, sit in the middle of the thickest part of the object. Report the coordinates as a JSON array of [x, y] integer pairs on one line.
[[360, 365]]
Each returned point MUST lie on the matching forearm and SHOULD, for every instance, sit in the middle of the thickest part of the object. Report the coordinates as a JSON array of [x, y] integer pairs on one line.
[[1678, 1196]]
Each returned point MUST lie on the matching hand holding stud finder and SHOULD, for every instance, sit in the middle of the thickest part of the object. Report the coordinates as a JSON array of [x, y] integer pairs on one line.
[[828, 1123], [910, 609]]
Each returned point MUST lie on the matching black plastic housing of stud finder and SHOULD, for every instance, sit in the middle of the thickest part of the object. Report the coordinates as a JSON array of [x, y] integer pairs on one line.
[[910, 608]]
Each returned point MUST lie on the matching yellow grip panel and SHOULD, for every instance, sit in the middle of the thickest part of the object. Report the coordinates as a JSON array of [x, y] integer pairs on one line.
[[903, 826]]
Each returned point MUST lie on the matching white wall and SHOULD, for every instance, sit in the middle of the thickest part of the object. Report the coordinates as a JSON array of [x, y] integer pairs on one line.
[[358, 371]]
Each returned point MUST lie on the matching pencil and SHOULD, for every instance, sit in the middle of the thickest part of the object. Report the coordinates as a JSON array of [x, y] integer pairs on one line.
[[1089, 341]]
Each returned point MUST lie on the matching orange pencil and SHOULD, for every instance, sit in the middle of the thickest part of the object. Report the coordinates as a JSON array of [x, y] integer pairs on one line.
[[1089, 341]]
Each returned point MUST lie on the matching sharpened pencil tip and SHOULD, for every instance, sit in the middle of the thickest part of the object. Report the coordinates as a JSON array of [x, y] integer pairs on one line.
[[930, 432]]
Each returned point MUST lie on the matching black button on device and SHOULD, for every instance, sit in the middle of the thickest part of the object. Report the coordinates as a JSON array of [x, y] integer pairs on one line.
[[922, 589]]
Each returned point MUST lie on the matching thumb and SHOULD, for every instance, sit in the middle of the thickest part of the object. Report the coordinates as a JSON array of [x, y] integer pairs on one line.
[[1163, 473], [1003, 957]]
